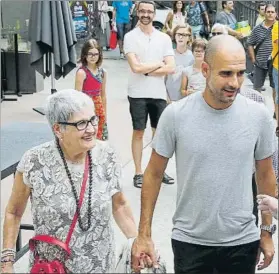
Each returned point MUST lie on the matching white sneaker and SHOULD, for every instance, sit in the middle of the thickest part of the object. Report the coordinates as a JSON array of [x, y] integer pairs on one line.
[[122, 56]]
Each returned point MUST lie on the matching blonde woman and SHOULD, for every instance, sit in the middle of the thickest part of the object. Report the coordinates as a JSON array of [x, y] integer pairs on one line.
[[182, 39]]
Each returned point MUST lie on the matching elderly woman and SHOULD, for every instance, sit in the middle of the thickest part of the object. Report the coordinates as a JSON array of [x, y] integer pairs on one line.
[[52, 174], [218, 29]]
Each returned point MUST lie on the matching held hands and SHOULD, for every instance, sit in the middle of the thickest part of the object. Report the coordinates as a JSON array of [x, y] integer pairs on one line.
[[268, 204], [143, 254]]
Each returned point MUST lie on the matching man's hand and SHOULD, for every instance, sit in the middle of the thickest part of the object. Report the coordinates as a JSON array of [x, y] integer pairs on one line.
[[267, 248], [143, 254], [268, 204], [239, 35]]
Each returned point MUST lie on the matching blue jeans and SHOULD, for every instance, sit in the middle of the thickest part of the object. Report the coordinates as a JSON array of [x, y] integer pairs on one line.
[[275, 79], [122, 29]]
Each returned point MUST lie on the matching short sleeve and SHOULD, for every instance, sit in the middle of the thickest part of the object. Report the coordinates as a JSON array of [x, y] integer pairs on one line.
[[203, 7], [221, 18], [168, 48], [24, 166], [114, 171], [252, 39], [128, 43], [266, 142], [164, 141], [187, 71]]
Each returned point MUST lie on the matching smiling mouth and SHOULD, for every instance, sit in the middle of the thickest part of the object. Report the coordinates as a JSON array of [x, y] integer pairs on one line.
[[88, 138]]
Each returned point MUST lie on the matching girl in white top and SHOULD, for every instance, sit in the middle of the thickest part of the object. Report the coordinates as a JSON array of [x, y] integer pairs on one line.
[[192, 77], [175, 17]]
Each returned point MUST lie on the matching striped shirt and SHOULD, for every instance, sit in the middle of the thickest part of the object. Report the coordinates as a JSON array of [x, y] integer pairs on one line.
[[259, 33], [258, 97]]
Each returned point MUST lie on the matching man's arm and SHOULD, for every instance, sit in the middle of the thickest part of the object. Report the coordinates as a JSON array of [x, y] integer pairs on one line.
[[251, 52], [152, 181], [167, 68], [141, 68]]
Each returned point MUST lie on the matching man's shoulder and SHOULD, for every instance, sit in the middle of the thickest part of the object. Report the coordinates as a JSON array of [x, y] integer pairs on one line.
[[132, 33]]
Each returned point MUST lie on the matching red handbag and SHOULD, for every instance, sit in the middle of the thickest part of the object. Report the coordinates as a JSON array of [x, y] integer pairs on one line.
[[113, 40], [56, 266]]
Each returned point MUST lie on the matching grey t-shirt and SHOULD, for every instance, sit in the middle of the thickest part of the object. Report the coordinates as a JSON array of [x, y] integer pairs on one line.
[[173, 81], [195, 79], [226, 19], [215, 151]]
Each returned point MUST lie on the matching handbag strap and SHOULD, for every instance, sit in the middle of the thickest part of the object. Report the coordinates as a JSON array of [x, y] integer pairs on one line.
[[82, 191], [54, 241]]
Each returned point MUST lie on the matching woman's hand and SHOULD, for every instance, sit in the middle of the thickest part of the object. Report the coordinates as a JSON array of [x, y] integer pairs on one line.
[[7, 267]]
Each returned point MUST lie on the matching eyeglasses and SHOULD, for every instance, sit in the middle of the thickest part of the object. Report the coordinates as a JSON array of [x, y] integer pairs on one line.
[[90, 54], [83, 124], [216, 33], [183, 35], [149, 12]]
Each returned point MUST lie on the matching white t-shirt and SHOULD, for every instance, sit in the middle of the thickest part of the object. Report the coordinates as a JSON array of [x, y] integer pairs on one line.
[[148, 48]]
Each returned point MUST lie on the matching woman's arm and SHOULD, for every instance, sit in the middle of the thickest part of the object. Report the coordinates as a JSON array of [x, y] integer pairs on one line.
[[184, 83], [103, 93], [14, 211], [123, 216], [80, 77], [168, 19]]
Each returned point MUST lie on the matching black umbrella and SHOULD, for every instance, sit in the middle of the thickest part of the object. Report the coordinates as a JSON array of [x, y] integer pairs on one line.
[[53, 39]]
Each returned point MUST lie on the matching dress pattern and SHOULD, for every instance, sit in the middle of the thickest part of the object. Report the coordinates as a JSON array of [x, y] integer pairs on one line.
[[53, 206]]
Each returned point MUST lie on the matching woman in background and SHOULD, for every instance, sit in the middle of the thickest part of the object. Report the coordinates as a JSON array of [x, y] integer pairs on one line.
[[182, 39], [91, 79], [175, 17], [105, 25]]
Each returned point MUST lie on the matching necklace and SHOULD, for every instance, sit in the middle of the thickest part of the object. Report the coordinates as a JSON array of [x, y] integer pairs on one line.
[[89, 212]]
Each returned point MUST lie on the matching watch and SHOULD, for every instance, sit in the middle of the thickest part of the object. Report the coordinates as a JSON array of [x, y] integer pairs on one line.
[[269, 228], [146, 74]]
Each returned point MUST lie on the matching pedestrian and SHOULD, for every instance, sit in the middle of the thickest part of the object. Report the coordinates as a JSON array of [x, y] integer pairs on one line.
[[218, 29], [261, 11], [260, 49], [216, 136], [259, 98], [182, 38], [52, 175], [192, 78], [121, 18], [177, 16], [91, 79], [105, 24], [151, 57], [275, 64], [268, 204], [226, 17], [198, 19]]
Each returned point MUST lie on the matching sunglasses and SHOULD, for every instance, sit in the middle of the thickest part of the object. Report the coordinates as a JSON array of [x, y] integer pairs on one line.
[[216, 33]]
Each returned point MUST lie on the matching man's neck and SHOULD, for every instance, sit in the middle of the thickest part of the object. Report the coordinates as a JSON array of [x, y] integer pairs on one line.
[[227, 11], [146, 29], [268, 23]]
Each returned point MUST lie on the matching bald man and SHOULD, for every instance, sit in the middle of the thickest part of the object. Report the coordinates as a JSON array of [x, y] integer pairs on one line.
[[216, 135]]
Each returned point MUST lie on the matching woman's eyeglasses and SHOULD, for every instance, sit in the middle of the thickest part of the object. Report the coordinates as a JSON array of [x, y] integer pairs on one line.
[[83, 124], [89, 54], [182, 35], [216, 33]]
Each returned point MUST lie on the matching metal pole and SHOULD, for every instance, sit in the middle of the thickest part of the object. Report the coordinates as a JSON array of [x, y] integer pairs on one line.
[[53, 89], [17, 64]]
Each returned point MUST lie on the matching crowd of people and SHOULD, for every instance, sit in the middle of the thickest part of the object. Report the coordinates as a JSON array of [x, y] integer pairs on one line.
[[187, 80]]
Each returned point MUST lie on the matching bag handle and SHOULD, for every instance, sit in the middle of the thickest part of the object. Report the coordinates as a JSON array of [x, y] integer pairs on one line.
[[52, 240]]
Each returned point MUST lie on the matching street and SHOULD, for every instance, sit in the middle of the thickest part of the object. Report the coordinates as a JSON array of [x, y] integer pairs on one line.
[[120, 131]]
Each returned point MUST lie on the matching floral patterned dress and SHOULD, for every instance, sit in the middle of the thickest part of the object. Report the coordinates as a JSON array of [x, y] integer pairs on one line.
[[53, 205]]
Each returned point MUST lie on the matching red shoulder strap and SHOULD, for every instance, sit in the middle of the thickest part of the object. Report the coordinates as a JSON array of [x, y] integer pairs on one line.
[[52, 240]]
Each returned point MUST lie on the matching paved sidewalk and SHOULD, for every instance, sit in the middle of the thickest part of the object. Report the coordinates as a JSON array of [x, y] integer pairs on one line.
[[120, 130]]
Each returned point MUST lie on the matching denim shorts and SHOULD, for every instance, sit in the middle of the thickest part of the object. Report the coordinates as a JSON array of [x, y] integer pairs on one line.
[[275, 79], [122, 29]]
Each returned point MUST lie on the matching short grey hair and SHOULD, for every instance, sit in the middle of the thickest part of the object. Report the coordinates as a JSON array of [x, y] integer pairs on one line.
[[221, 26], [61, 105]]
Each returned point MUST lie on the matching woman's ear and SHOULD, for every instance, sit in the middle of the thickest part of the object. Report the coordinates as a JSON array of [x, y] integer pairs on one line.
[[58, 131]]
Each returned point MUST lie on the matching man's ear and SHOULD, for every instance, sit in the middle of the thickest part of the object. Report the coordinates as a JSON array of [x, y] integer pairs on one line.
[[205, 70], [58, 131]]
